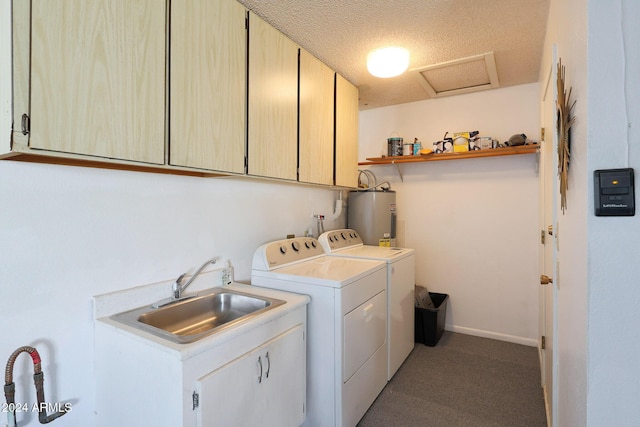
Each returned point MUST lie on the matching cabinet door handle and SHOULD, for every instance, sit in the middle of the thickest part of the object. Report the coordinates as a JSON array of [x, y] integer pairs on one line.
[[26, 124], [260, 366], [367, 310], [266, 356]]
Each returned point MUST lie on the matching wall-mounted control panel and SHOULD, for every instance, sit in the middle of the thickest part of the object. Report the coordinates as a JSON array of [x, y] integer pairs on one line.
[[614, 192]]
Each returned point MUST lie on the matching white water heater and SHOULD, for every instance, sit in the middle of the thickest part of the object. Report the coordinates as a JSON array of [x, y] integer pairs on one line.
[[372, 213]]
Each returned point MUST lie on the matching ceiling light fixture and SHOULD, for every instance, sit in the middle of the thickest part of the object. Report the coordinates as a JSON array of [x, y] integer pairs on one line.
[[388, 61]]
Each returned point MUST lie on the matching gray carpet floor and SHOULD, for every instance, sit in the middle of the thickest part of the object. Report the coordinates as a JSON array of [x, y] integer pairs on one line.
[[463, 381]]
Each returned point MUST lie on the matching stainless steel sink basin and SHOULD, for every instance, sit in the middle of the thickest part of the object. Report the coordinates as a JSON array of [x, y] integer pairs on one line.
[[195, 318]]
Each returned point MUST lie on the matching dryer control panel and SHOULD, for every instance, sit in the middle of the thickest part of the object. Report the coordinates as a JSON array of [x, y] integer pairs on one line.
[[283, 252], [339, 239]]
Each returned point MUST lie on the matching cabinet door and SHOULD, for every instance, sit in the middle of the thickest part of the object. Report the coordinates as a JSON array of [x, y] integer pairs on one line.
[[98, 78], [285, 387], [231, 395], [346, 133], [273, 102], [316, 121], [208, 85], [265, 387]]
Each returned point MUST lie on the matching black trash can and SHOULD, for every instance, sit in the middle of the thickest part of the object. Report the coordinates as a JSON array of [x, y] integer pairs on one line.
[[429, 321]]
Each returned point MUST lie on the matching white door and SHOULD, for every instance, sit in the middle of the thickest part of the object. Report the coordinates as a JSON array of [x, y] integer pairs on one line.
[[264, 387], [548, 225], [231, 395], [284, 383]]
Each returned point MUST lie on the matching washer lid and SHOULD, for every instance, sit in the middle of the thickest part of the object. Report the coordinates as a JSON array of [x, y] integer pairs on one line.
[[374, 252], [323, 271]]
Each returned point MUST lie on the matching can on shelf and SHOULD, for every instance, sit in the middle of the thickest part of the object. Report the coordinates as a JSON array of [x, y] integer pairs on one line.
[[394, 147]]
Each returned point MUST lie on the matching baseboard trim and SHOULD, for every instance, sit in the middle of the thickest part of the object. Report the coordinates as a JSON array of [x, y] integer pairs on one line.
[[493, 335]]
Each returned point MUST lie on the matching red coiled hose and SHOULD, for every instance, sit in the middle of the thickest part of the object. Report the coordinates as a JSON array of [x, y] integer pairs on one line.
[[38, 377]]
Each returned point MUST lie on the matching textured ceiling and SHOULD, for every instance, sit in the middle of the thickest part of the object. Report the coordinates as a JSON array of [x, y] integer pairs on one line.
[[342, 32]]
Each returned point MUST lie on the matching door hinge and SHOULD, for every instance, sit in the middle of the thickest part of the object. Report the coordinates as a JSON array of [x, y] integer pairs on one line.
[[542, 237], [543, 342], [26, 124], [545, 280], [195, 398], [550, 230]]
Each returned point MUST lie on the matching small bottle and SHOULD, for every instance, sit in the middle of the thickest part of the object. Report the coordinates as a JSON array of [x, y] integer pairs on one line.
[[227, 274]]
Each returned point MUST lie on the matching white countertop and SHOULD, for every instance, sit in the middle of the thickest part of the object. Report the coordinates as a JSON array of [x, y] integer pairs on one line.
[[117, 302]]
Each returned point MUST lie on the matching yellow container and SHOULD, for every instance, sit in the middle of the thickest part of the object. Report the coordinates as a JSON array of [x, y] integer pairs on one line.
[[460, 144]]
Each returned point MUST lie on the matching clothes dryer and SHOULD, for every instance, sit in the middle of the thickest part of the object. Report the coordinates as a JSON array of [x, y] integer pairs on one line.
[[346, 323], [400, 287]]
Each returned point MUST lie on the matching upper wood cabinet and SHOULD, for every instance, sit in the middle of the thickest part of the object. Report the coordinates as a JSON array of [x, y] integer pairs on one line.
[[98, 78], [208, 85], [346, 133], [315, 121], [206, 88], [273, 102]]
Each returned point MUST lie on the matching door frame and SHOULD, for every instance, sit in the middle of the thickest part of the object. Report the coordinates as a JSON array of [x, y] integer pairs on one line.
[[548, 259]]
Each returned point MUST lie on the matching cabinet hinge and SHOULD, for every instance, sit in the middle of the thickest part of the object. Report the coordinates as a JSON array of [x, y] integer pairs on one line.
[[543, 342], [542, 237], [246, 22], [26, 124], [195, 397]]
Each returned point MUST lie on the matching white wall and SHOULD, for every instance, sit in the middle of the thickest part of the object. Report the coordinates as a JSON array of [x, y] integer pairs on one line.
[[613, 294], [473, 223]]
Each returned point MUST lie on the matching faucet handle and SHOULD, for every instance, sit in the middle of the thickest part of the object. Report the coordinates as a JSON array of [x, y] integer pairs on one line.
[[179, 279], [177, 285]]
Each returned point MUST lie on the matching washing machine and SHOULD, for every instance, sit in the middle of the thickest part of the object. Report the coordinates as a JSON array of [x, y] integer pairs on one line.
[[346, 324], [400, 264]]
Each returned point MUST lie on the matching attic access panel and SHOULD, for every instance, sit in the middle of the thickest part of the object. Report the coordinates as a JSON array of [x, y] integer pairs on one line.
[[463, 75]]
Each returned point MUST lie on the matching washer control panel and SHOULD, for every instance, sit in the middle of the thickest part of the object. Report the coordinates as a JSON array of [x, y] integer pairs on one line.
[[288, 251], [339, 239]]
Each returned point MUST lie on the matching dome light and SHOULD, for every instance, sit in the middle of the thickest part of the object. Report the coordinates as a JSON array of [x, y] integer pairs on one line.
[[388, 61]]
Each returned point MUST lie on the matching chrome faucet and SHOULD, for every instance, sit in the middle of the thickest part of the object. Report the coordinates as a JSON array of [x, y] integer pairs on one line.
[[178, 288]]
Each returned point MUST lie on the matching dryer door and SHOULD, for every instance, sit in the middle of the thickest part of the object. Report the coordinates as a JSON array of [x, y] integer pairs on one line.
[[364, 332]]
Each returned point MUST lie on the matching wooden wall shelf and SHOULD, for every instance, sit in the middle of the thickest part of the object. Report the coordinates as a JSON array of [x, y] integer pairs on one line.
[[505, 151]]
